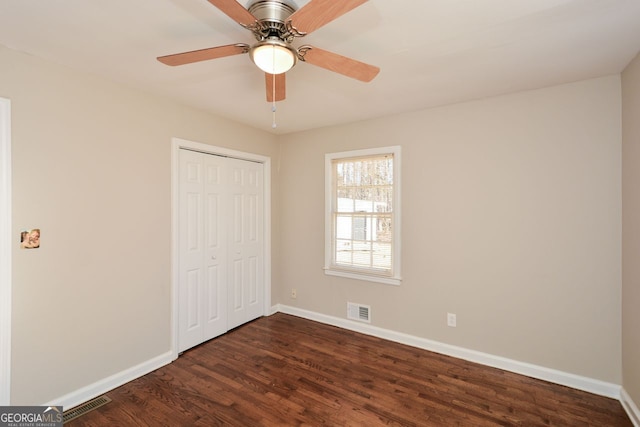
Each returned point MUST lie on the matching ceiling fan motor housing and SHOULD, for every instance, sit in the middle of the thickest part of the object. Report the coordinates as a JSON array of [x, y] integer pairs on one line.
[[272, 16]]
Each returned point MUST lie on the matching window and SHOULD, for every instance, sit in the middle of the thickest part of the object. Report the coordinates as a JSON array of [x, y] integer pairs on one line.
[[362, 222]]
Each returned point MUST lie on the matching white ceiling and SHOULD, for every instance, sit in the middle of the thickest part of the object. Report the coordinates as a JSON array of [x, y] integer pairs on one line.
[[431, 52]]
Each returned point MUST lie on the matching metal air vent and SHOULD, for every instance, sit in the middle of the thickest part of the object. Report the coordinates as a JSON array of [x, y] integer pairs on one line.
[[359, 312], [80, 410]]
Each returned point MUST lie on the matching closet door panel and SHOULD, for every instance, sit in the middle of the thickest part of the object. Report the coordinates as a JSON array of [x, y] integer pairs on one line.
[[191, 244], [247, 241], [215, 258]]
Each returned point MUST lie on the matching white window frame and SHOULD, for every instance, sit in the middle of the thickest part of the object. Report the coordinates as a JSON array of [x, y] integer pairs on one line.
[[355, 273]]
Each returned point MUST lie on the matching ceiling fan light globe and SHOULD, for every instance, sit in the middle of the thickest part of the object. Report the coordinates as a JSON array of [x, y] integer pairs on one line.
[[273, 58]]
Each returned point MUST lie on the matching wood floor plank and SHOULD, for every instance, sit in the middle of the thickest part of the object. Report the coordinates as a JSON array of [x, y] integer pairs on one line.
[[287, 371]]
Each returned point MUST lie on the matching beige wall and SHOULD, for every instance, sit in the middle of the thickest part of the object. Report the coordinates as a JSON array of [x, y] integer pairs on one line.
[[511, 219], [631, 230], [92, 169]]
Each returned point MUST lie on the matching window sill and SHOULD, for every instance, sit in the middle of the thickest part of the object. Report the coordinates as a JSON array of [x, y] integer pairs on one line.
[[360, 276]]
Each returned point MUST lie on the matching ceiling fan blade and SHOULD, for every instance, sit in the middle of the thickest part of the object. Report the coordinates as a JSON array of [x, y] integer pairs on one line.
[[318, 13], [338, 63], [235, 11], [204, 54], [276, 85]]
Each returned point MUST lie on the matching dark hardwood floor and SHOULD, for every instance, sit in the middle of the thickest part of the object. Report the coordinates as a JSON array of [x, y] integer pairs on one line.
[[287, 371]]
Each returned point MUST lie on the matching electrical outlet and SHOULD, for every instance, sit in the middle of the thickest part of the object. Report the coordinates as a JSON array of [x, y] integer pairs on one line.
[[451, 320], [294, 293]]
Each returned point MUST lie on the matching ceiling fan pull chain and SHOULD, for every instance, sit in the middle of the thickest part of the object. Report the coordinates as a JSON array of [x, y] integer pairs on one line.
[[273, 101], [273, 110]]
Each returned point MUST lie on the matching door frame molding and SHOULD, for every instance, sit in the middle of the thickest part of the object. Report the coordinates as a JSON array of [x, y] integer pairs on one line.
[[176, 145], [5, 251]]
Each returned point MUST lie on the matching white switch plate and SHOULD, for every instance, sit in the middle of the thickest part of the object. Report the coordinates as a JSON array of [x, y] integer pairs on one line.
[[451, 320]]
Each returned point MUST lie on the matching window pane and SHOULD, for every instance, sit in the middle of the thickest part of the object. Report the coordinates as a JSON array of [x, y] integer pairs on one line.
[[346, 200], [382, 255], [344, 227], [383, 199], [362, 255], [344, 193], [384, 229], [343, 252], [384, 171]]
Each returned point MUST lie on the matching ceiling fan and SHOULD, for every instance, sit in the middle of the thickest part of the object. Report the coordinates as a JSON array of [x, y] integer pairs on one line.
[[275, 24]]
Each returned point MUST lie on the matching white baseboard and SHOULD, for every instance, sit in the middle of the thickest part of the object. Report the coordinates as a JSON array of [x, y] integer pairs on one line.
[[98, 388], [558, 377], [631, 408]]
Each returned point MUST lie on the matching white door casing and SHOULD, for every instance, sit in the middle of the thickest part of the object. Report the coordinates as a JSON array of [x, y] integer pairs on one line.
[[253, 281]]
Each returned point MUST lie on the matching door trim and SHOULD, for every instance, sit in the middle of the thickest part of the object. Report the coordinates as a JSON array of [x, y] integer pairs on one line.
[[5, 251], [176, 145]]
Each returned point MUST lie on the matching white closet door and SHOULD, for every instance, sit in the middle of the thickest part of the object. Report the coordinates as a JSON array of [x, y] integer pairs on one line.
[[215, 246], [221, 241], [246, 258], [203, 253]]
